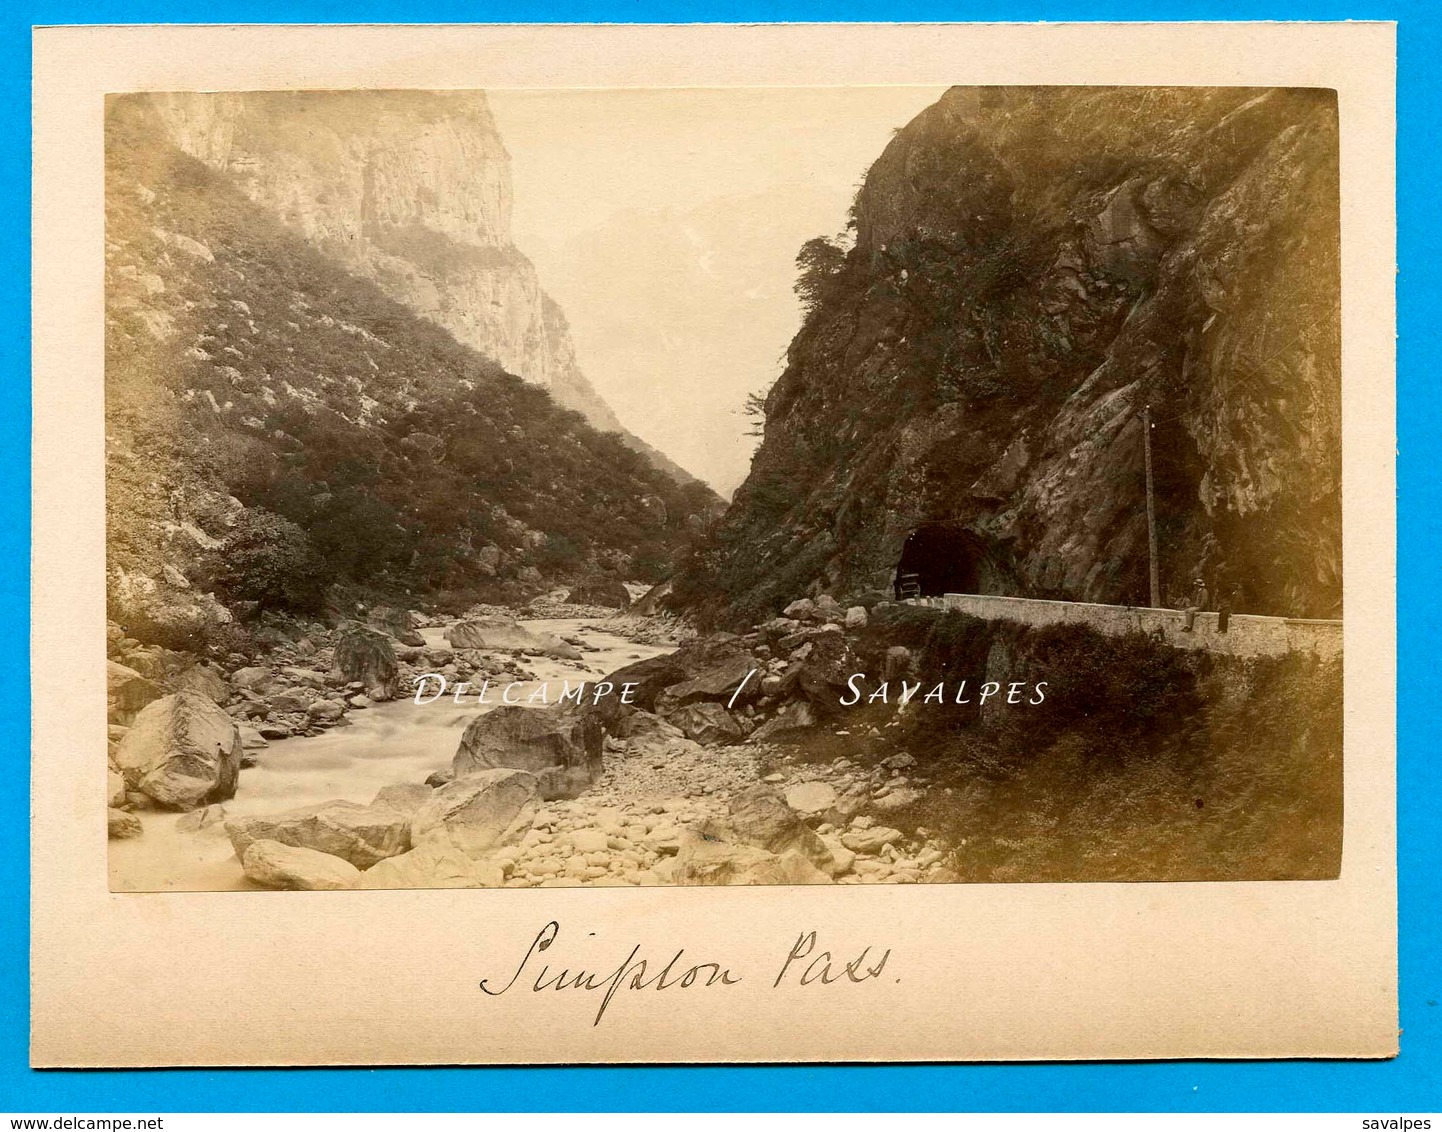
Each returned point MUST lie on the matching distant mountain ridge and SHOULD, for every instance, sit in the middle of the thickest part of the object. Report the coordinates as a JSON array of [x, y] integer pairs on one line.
[[412, 190]]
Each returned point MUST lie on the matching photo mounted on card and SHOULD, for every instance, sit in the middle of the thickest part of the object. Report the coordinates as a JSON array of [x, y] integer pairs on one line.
[[648, 544]]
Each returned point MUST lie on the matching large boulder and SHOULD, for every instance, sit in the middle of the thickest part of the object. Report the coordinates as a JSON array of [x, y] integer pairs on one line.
[[707, 859], [156, 611], [505, 633], [760, 816], [433, 865], [716, 681], [792, 719], [183, 751], [822, 676], [120, 825], [813, 797], [127, 691], [560, 745], [362, 835], [403, 797], [206, 681], [253, 678], [603, 590], [398, 623], [650, 602], [650, 736], [709, 724], [365, 656], [478, 813], [276, 865]]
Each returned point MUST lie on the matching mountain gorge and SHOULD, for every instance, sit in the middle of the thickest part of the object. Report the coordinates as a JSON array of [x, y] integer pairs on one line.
[[1033, 268], [266, 406], [411, 190]]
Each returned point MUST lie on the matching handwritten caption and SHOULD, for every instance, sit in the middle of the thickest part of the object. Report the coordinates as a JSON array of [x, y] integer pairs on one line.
[[802, 966]]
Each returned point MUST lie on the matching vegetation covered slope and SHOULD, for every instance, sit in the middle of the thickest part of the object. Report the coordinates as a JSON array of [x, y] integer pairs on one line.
[[1033, 267], [257, 393]]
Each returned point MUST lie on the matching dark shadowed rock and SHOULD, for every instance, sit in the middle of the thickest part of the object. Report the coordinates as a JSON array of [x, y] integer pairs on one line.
[[398, 623], [650, 602], [183, 751], [793, 719], [601, 590], [560, 745], [366, 656], [707, 723], [717, 681]]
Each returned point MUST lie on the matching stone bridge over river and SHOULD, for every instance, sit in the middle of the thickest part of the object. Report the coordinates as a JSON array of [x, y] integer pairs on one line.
[[1246, 635]]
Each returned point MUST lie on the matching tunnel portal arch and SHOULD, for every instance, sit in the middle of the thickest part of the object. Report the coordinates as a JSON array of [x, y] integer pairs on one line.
[[941, 558]]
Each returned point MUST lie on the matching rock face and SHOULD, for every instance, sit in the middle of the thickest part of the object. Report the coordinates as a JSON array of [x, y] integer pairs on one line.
[[413, 192], [1032, 268], [362, 835], [559, 745], [478, 813], [367, 656], [182, 751]]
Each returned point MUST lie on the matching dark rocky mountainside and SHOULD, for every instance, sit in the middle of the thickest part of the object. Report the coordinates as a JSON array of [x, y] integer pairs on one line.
[[411, 190], [276, 425], [1032, 267]]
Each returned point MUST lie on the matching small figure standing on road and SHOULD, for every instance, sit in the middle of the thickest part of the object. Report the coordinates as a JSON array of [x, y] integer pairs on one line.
[[1225, 606], [1198, 602]]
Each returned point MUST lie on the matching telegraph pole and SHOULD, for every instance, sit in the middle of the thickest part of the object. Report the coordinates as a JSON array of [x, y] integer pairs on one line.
[[1156, 585]]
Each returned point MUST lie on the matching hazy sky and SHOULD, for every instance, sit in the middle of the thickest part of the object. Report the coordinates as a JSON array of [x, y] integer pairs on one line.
[[666, 224]]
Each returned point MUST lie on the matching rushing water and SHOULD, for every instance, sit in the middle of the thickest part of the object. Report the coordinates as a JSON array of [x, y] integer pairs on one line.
[[393, 742]]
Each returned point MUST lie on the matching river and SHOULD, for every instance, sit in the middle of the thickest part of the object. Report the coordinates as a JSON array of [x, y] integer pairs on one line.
[[389, 743]]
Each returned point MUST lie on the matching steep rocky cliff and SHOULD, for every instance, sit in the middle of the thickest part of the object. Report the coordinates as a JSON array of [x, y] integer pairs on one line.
[[412, 190], [1032, 267], [263, 405]]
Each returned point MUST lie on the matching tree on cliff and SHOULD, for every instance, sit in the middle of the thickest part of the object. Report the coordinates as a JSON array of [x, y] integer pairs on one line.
[[820, 258]]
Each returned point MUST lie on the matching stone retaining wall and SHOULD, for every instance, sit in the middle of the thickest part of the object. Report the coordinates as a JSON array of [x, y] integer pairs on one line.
[[1246, 635]]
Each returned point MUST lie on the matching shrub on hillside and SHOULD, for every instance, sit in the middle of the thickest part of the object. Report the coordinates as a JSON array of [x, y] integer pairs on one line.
[[269, 560]]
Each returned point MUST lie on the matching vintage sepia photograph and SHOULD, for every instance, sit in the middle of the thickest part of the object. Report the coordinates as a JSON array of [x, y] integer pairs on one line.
[[856, 485]]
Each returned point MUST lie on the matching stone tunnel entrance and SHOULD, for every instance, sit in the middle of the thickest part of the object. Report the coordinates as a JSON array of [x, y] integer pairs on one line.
[[940, 558]]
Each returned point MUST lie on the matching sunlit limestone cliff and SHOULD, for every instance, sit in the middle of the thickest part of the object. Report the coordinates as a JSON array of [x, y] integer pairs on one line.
[[412, 190]]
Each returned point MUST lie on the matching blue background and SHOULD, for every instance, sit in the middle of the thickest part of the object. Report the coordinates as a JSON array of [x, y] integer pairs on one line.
[[1411, 1082]]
